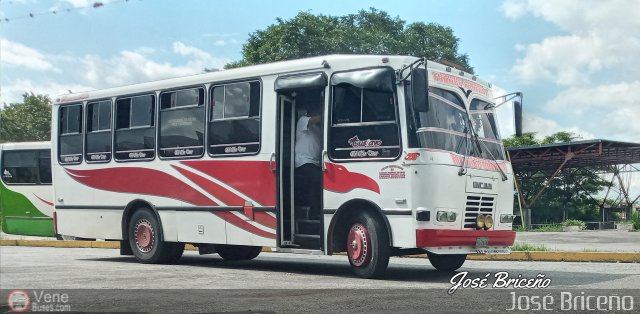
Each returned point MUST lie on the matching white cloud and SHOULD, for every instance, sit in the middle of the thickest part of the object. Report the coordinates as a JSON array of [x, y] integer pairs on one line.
[[514, 9], [594, 61], [567, 60], [544, 127], [17, 54], [95, 72], [13, 91], [578, 16], [613, 111], [85, 3], [602, 36], [131, 67], [79, 3]]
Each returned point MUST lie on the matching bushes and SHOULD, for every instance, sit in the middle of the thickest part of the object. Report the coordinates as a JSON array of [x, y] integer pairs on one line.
[[574, 222], [635, 220]]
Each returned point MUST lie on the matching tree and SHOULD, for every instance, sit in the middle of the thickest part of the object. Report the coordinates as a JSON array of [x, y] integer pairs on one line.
[[367, 32], [26, 121], [570, 195]]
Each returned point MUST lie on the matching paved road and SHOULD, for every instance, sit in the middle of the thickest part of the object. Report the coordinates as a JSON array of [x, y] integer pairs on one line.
[[598, 241], [285, 283]]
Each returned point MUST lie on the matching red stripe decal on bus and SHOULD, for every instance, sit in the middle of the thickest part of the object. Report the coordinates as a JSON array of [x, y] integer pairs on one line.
[[338, 179], [48, 203], [212, 188], [265, 219], [157, 183], [252, 178], [140, 181], [242, 224], [226, 196]]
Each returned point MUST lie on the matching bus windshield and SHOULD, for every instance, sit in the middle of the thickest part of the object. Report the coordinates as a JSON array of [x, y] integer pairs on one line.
[[444, 123]]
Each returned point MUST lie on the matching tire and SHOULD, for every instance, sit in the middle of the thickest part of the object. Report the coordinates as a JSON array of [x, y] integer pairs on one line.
[[238, 252], [446, 262], [145, 239], [368, 247]]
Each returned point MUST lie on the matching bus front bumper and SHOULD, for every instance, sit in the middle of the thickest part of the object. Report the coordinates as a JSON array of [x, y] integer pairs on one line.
[[465, 241]]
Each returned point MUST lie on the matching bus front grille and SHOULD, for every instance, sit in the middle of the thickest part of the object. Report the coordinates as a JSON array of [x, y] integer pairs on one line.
[[475, 206]]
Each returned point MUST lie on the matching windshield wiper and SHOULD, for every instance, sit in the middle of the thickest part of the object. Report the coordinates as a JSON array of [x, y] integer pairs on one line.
[[463, 167]]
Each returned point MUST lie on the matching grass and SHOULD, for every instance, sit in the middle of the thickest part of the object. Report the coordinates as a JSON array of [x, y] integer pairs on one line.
[[526, 247], [548, 228]]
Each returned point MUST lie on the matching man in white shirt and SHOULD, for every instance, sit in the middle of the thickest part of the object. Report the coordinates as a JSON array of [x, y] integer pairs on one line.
[[308, 151]]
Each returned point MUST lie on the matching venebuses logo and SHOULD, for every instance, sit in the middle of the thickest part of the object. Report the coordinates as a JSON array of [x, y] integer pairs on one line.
[[18, 301]]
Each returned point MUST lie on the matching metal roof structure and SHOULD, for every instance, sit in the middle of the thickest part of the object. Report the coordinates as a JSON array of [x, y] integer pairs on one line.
[[604, 155], [590, 153]]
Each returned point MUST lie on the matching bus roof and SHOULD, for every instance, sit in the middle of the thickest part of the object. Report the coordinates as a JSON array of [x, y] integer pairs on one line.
[[25, 145], [335, 62]]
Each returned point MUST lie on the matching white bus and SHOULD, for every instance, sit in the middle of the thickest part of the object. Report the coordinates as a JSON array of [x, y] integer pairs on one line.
[[411, 162], [26, 195]]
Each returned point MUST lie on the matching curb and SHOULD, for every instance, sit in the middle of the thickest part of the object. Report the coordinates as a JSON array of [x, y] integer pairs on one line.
[[533, 256]]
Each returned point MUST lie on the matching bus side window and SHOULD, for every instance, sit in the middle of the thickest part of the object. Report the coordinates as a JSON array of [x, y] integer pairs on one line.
[[234, 121], [182, 123], [20, 167], [98, 139], [364, 124], [70, 134], [44, 166], [135, 134]]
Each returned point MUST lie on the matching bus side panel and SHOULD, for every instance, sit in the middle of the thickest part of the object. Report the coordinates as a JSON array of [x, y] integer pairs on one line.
[[382, 183], [243, 231], [90, 223], [27, 209], [200, 227]]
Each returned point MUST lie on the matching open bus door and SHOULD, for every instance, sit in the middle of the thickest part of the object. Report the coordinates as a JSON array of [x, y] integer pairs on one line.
[[299, 226]]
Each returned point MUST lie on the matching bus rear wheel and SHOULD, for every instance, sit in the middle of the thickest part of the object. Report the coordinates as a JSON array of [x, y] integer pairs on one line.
[[446, 262], [145, 239], [238, 252], [368, 246]]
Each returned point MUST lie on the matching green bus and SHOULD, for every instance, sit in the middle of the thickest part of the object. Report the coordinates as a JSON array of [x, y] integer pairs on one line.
[[26, 193]]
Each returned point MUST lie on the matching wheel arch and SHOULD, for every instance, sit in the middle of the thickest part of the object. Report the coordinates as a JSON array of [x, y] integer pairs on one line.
[[338, 227], [130, 209]]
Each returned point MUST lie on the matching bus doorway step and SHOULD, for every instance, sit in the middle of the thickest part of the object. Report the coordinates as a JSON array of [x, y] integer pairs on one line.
[[309, 241]]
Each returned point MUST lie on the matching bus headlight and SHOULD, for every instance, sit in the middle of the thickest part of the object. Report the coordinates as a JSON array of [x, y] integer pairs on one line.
[[488, 222], [446, 216], [480, 221]]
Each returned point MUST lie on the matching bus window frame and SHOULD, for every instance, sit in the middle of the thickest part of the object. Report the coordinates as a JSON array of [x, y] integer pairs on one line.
[[153, 93], [110, 130], [208, 113], [329, 123], [81, 132], [35, 150], [159, 110]]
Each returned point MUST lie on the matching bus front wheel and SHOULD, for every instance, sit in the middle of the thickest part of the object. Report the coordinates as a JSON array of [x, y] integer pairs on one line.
[[368, 246], [446, 262], [145, 239]]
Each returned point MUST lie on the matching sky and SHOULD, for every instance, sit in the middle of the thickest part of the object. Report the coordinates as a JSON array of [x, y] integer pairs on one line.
[[573, 60]]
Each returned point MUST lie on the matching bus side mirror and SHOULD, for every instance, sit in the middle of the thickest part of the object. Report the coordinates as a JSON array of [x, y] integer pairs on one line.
[[420, 97], [517, 115]]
